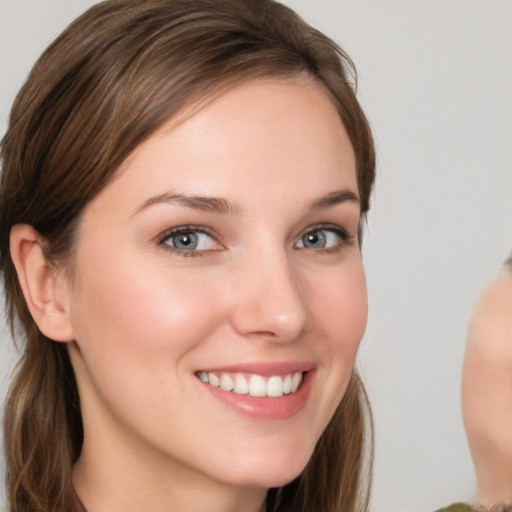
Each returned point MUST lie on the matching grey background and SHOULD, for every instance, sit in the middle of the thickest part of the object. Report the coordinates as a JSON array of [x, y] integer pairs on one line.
[[436, 83]]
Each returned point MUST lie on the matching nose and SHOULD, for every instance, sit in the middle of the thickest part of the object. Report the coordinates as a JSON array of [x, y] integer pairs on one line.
[[270, 299]]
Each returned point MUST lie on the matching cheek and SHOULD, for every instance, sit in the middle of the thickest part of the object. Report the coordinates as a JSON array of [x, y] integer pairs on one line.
[[137, 333], [342, 308], [142, 312], [339, 302], [342, 312]]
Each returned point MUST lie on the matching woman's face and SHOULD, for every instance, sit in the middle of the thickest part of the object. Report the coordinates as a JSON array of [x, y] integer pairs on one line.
[[224, 253]]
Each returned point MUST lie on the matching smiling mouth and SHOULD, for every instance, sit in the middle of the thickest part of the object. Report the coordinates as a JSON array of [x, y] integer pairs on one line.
[[254, 385]]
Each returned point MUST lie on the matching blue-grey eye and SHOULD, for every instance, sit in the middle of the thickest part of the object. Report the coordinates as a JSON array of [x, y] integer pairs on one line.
[[191, 241], [319, 239]]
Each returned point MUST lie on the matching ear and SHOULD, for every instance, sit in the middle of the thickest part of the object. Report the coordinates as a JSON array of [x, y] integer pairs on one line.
[[44, 287]]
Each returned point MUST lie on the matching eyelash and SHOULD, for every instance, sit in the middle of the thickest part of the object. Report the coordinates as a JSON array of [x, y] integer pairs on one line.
[[167, 235], [344, 239]]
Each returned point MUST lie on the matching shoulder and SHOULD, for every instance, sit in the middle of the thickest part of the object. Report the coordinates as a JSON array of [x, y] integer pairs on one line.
[[465, 507], [460, 507]]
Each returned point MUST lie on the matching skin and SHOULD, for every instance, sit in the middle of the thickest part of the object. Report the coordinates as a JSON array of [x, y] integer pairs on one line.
[[487, 391], [141, 319]]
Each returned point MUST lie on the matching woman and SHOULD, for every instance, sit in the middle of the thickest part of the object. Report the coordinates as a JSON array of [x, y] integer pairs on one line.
[[184, 185]]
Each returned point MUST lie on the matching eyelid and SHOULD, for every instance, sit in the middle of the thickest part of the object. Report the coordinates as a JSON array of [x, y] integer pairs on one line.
[[188, 228]]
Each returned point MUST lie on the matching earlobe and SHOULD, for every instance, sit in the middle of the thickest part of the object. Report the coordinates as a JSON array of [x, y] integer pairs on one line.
[[43, 286]]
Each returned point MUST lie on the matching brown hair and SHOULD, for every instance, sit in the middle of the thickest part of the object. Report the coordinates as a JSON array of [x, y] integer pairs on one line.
[[111, 79]]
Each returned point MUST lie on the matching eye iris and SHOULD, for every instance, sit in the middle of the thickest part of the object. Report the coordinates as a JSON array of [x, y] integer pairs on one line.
[[185, 241], [314, 239]]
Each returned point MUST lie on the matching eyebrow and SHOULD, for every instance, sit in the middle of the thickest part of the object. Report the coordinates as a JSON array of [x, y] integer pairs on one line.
[[334, 198], [205, 204], [226, 207]]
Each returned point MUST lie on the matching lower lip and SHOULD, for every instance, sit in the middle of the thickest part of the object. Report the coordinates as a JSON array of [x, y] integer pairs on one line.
[[266, 407]]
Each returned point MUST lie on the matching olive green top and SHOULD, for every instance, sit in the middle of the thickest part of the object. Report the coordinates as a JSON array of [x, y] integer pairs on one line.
[[464, 507]]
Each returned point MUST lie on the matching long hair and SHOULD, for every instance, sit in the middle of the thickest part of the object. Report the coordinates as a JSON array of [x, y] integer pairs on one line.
[[108, 82]]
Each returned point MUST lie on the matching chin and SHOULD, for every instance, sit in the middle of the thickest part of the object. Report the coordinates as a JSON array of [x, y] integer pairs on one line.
[[269, 478], [268, 470]]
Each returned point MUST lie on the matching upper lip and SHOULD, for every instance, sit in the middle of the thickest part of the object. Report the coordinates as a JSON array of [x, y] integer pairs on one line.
[[265, 369]]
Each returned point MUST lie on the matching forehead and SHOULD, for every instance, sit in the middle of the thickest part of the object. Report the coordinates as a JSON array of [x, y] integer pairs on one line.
[[267, 137]]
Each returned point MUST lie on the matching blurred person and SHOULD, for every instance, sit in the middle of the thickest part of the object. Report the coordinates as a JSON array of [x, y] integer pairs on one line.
[[487, 390]]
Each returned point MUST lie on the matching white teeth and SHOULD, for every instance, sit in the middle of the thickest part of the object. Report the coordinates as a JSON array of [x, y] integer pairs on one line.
[[287, 384], [275, 387], [241, 385], [257, 386], [226, 382], [296, 380], [213, 380]]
